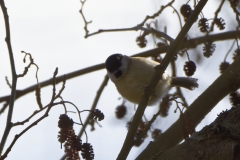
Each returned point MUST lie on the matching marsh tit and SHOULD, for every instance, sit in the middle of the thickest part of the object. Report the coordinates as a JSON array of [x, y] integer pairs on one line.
[[131, 75]]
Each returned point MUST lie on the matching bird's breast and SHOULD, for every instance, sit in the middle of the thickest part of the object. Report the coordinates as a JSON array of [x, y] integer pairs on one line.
[[135, 80]]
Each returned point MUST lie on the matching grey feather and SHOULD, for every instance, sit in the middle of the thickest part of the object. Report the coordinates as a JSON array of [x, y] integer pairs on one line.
[[186, 82]]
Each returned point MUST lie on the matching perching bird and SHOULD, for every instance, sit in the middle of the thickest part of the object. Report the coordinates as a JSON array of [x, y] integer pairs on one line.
[[131, 75]]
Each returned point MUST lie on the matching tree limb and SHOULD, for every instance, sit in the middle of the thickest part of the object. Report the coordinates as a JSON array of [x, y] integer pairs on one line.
[[220, 140], [187, 44], [174, 46], [11, 98], [228, 82]]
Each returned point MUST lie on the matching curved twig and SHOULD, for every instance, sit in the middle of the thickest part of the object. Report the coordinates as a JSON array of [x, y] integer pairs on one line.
[[94, 105]]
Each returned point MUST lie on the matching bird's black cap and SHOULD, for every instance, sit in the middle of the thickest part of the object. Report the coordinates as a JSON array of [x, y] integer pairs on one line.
[[113, 62]]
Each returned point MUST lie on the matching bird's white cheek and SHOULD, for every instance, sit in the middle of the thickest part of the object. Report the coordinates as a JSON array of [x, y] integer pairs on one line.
[[112, 77]]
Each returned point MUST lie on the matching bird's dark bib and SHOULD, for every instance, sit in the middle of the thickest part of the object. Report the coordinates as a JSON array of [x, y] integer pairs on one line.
[[117, 73]]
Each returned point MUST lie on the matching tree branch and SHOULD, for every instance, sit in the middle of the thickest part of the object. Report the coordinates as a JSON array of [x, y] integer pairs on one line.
[[59, 79], [94, 105], [35, 122], [187, 44], [228, 82], [174, 46], [219, 140], [14, 78]]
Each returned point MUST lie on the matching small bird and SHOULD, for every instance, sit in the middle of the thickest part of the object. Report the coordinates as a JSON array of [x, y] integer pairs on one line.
[[131, 75]]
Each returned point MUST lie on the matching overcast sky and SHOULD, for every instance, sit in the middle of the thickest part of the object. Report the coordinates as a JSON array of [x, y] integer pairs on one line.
[[52, 31]]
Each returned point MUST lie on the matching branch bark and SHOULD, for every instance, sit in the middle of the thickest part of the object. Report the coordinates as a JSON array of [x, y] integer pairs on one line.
[[174, 46], [11, 98], [228, 82], [187, 44], [220, 140]]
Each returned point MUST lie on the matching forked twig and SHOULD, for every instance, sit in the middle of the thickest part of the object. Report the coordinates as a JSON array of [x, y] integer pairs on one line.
[[94, 105], [14, 77], [35, 122]]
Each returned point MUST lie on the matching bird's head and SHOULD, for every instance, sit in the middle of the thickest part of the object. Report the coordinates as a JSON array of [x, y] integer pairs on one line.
[[117, 65]]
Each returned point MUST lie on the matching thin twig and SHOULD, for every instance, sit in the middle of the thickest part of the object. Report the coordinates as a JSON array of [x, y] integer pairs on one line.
[[31, 63], [178, 89], [216, 14], [94, 105], [62, 88], [236, 12], [8, 83], [85, 21], [54, 86], [64, 106], [161, 35], [136, 28], [157, 13], [230, 49], [32, 115], [14, 78], [38, 87], [177, 106], [40, 110], [78, 116], [35, 122], [179, 18], [147, 127], [43, 108], [21, 133]]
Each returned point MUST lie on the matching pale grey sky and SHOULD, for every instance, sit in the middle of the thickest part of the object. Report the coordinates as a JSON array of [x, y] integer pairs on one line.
[[52, 31]]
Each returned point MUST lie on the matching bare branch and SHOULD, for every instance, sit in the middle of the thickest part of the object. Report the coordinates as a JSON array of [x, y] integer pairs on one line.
[[8, 83], [216, 15], [62, 88], [174, 46], [85, 21], [14, 77], [59, 79], [29, 65], [38, 96], [236, 13], [156, 14], [94, 105], [222, 86], [218, 137], [35, 122], [187, 44], [4, 107], [149, 124], [178, 89]]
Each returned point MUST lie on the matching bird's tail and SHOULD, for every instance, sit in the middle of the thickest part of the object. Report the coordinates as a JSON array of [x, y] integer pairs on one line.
[[186, 82]]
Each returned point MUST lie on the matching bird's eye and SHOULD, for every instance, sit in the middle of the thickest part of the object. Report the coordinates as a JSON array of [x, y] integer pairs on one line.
[[119, 57]]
